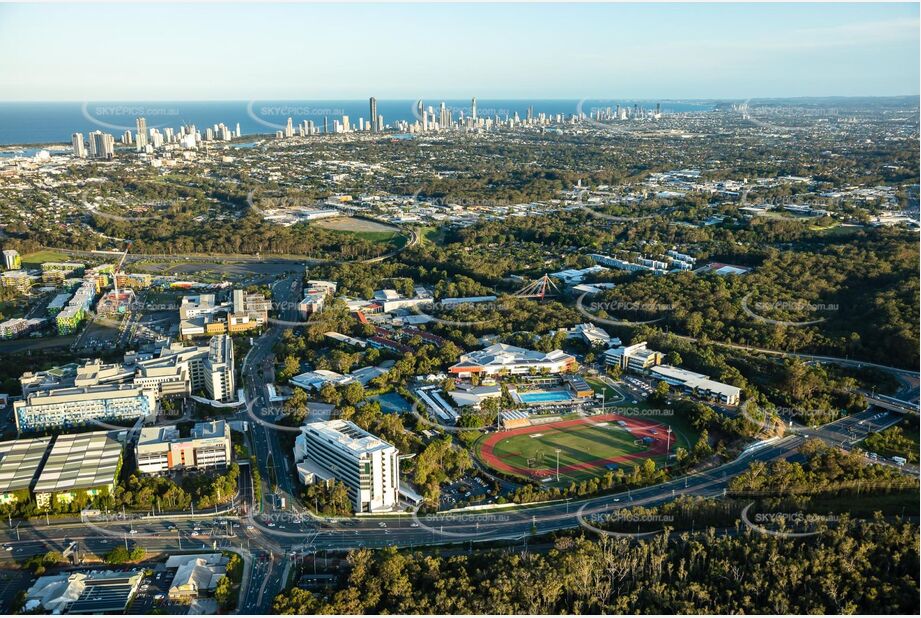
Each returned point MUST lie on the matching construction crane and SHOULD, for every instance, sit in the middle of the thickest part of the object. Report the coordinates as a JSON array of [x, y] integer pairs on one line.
[[118, 267]]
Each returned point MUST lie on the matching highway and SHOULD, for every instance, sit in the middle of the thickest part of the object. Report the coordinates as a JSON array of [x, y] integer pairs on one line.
[[272, 539]]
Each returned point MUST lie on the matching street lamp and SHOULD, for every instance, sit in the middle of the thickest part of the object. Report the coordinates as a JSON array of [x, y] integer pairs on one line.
[[557, 465]]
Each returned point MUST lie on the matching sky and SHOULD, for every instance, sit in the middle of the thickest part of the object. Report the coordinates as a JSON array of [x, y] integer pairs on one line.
[[236, 51]]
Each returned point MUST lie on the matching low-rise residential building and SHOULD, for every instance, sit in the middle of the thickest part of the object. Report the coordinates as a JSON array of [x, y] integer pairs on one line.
[[341, 450], [19, 280], [58, 303], [160, 450], [83, 462], [16, 327], [503, 358]]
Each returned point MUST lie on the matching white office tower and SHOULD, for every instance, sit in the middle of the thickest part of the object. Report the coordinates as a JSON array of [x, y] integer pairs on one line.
[[219, 370], [443, 118], [289, 128], [341, 450], [101, 145], [142, 134], [361, 124], [238, 133], [79, 147]]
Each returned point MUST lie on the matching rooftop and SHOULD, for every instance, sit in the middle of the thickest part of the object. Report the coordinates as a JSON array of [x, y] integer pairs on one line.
[[19, 462], [80, 461]]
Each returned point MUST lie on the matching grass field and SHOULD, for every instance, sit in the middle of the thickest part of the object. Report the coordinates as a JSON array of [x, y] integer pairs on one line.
[[588, 446], [37, 258]]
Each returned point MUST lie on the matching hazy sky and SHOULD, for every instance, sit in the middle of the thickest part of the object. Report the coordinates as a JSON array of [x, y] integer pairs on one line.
[[285, 51]]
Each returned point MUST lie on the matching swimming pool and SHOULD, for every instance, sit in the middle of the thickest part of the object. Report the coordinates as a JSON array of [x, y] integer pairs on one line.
[[544, 396]]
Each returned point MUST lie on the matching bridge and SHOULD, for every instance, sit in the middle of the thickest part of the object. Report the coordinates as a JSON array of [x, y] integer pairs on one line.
[[891, 403]]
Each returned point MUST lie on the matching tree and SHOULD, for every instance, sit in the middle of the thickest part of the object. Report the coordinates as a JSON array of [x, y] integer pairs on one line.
[[702, 448], [290, 368], [118, 555], [330, 394], [296, 405], [354, 392], [224, 593]]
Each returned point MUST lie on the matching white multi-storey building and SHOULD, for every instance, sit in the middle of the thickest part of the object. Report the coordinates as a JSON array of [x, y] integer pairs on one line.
[[161, 449], [636, 357], [219, 369], [341, 450], [80, 406]]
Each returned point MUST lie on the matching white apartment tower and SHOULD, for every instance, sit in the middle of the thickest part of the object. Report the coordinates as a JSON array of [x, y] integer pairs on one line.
[[78, 145]]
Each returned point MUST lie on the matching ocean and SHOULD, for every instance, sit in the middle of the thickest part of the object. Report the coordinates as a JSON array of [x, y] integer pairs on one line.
[[49, 123]]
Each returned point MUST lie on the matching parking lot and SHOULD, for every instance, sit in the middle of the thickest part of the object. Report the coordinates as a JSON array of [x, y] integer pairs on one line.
[[466, 490]]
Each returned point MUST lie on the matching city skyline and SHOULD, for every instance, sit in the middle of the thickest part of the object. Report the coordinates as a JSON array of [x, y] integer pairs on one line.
[[638, 52]]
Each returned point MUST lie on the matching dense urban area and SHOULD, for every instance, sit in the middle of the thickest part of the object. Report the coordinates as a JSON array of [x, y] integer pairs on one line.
[[623, 359]]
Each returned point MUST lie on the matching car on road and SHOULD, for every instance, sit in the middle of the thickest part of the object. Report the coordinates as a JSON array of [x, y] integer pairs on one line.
[[414, 525], [382, 524], [132, 531]]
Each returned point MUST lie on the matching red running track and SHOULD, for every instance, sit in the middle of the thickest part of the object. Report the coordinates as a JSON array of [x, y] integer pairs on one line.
[[640, 428]]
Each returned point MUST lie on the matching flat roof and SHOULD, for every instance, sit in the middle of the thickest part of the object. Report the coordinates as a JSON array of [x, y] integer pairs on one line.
[[347, 435], [80, 461]]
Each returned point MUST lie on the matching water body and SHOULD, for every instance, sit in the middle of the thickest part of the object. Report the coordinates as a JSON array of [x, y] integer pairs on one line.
[[47, 123]]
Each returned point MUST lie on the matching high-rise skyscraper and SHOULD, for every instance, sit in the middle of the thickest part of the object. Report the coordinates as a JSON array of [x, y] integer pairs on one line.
[[325, 124], [102, 145], [473, 109], [79, 148], [289, 128], [443, 116], [142, 134], [374, 126]]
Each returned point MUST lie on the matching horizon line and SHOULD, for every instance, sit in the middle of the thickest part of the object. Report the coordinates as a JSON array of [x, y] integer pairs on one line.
[[488, 98]]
